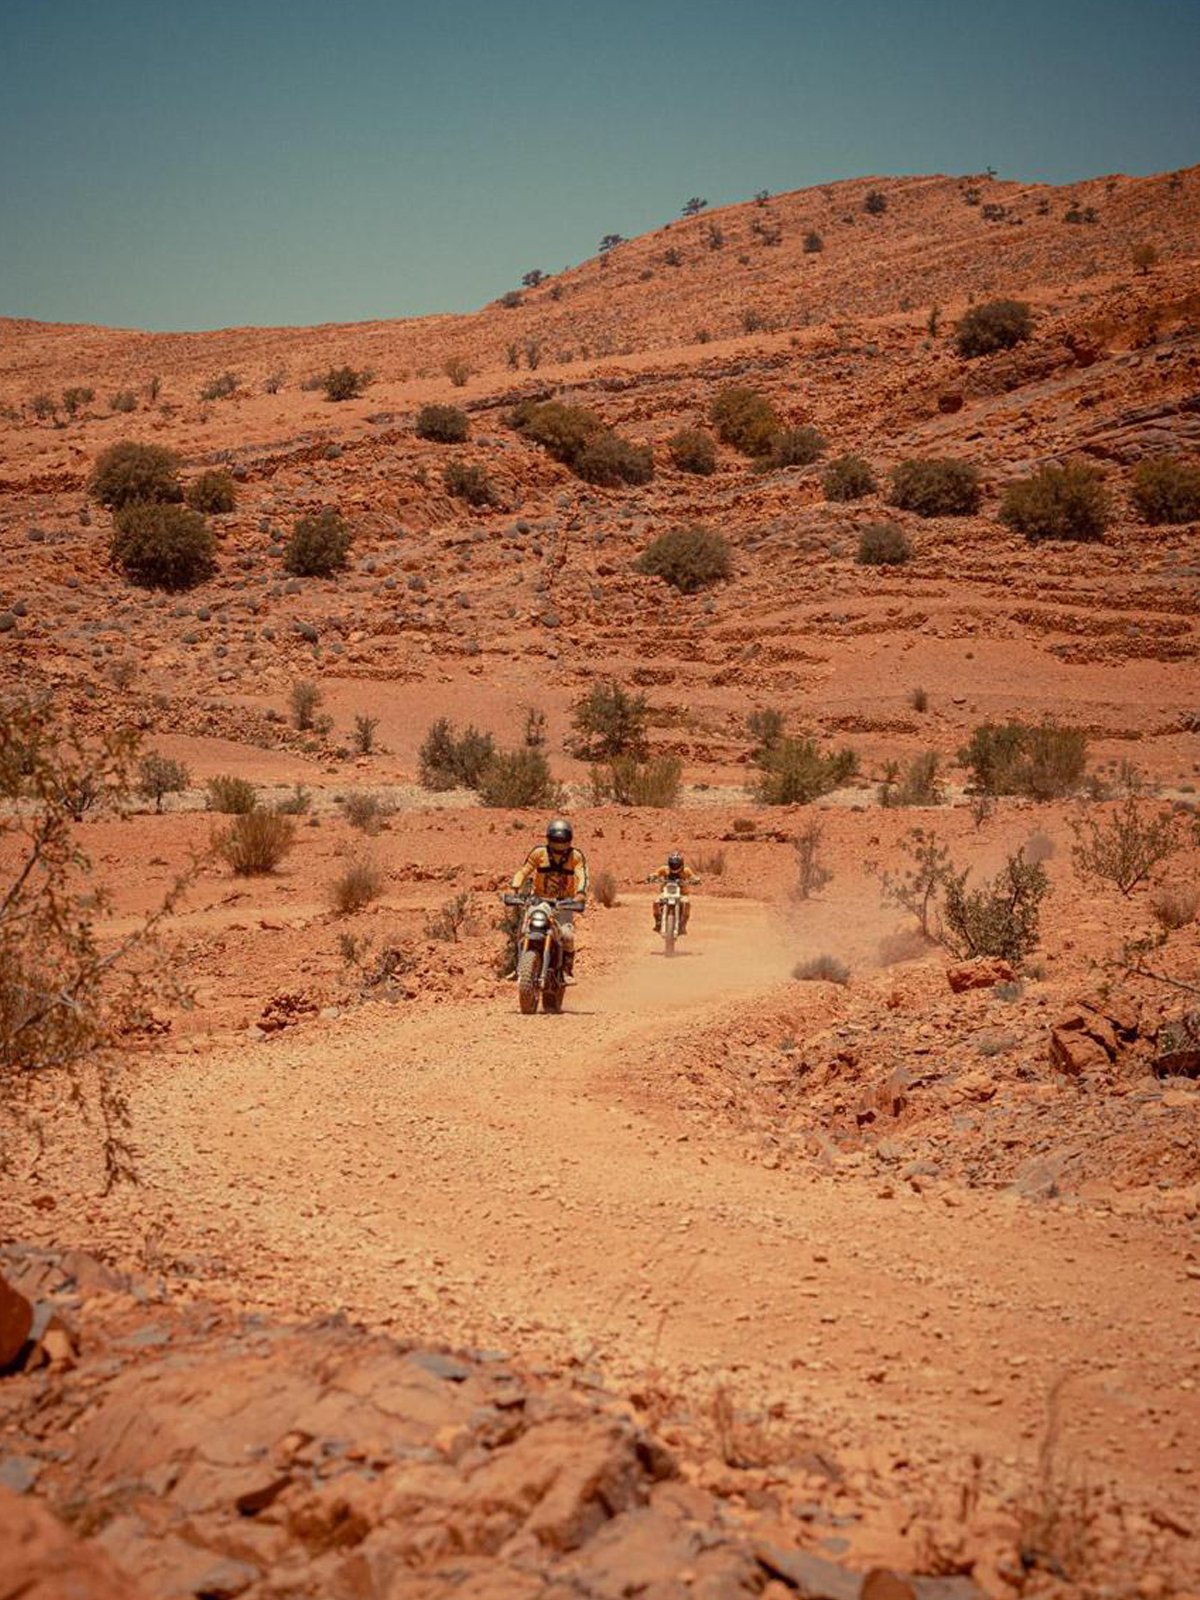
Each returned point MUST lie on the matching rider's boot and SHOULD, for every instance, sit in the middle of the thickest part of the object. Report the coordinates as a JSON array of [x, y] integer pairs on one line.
[[568, 966]]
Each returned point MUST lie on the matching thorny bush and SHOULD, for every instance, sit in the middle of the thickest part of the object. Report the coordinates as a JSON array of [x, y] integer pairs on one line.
[[68, 994]]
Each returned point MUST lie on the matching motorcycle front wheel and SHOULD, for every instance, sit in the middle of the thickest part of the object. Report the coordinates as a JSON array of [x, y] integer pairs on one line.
[[529, 970]]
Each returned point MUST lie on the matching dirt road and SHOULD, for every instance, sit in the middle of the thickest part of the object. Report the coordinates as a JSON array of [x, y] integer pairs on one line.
[[481, 1176]]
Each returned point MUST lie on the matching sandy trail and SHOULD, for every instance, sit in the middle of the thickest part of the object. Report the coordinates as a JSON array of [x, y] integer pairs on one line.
[[476, 1174]]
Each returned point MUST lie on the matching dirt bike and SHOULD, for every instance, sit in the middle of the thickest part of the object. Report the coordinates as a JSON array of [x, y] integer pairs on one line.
[[670, 915], [540, 952]]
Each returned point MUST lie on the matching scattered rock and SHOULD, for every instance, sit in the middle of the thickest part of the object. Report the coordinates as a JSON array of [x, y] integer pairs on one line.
[[984, 972], [16, 1322]]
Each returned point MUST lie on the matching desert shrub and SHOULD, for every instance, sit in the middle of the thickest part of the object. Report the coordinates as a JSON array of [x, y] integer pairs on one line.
[[822, 969], [159, 776], [875, 203], [344, 383], [608, 722], [518, 779], [812, 874], [162, 546], [443, 424], [123, 401], [561, 429], [1068, 502], [710, 863], [609, 460], [255, 844], [212, 493], [1123, 848], [451, 760], [996, 325], [470, 483], [458, 370], [693, 450], [304, 699], [64, 998], [766, 728], [1174, 905], [232, 797], [363, 736], [318, 545], [452, 918], [296, 804], [604, 888], [936, 488], [793, 447], [1167, 489], [75, 399], [626, 781], [364, 811], [848, 477], [1001, 917], [129, 471], [356, 886], [918, 699], [220, 387], [813, 243], [687, 558], [920, 783], [796, 772], [1043, 761], [745, 419], [883, 544]]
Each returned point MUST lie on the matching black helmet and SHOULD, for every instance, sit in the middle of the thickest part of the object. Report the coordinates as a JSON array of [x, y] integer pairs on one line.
[[675, 862], [559, 834]]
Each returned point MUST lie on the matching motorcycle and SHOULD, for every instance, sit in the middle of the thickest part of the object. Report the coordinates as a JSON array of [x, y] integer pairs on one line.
[[540, 952], [670, 915]]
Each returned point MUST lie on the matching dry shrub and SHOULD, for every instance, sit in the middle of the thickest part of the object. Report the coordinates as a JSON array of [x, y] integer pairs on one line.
[[936, 487], [256, 843], [159, 776], [356, 886], [693, 450], [442, 424], [318, 546], [1068, 502], [161, 546], [920, 784], [883, 544], [795, 772], [1124, 848], [366, 812], [212, 493], [688, 559], [710, 863], [848, 477], [793, 447], [451, 760], [518, 779], [129, 472], [234, 797], [63, 1000], [996, 325], [1043, 761], [626, 781], [470, 482], [1174, 905], [451, 919], [811, 872], [745, 419], [1167, 489]]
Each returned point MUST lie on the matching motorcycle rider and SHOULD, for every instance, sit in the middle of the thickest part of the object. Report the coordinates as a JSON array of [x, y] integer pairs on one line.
[[558, 872], [674, 871]]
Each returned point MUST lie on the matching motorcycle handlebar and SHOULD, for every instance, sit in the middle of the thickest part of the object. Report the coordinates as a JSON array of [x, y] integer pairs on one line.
[[538, 899]]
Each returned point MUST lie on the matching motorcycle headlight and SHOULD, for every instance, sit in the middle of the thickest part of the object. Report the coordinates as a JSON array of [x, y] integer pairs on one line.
[[538, 922]]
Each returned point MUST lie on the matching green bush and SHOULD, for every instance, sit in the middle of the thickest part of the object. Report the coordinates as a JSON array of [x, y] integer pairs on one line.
[[997, 325], [211, 492], [450, 760], [233, 797], [469, 483], [693, 450], [848, 477], [936, 488], [687, 558], [796, 772], [344, 383], [794, 447], [318, 546], [159, 776], [221, 387], [609, 722], [1000, 918], [443, 424], [127, 472], [561, 429], [1043, 761], [745, 419], [1167, 489], [162, 546], [1068, 502], [518, 779], [609, 460], [883, 544]]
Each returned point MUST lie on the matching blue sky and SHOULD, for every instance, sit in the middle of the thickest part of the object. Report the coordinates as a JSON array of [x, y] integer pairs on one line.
[[192, 164]]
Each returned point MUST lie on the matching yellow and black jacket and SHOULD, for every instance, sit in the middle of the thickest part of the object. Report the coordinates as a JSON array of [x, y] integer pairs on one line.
[[683, 877], [565, 879]]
